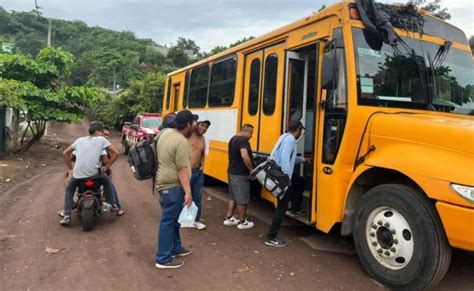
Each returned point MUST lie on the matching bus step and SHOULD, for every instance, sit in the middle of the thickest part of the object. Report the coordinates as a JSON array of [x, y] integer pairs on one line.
[[303, 217]]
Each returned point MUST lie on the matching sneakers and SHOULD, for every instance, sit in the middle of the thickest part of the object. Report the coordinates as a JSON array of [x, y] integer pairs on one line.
[[276, 242], [233, 221], [183, 253], [66, 221], [173, 264], [199, 225], [245, 225]]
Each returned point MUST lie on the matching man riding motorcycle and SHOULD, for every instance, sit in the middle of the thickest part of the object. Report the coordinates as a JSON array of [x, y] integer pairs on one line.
[[88, 151]]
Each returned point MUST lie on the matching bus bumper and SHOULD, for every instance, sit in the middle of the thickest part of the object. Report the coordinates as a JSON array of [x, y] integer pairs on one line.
[[458, 223]]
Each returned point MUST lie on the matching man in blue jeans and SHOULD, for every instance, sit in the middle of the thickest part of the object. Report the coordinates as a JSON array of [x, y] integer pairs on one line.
[[173, 185], [88, 151], [199, 149]]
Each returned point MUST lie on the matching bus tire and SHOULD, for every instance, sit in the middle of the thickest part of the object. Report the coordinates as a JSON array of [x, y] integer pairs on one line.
[[400, 239]]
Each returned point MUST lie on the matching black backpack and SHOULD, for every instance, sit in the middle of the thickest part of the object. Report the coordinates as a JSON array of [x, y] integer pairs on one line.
[[142, 159]]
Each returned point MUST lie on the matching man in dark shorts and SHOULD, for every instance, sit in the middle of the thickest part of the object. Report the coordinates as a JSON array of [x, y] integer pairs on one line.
[[240, 166]]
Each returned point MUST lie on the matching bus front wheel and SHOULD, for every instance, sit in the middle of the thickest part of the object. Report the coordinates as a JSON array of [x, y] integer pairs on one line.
[[399, 238]]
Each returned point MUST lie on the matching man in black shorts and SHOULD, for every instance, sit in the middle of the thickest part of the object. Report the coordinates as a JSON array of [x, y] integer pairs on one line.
[[240, 166]]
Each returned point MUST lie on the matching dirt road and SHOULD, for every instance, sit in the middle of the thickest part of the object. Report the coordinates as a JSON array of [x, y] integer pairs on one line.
[[119, 253]]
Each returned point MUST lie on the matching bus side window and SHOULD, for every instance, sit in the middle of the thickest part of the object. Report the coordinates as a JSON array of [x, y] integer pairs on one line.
[[198, 87], [222, 87], [270, 87], [335, 111]]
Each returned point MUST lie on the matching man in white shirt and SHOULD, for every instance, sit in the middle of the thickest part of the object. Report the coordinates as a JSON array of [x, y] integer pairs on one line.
[[88, 151]]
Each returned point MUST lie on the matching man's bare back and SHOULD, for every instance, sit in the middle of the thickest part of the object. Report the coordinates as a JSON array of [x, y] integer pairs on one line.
[[197, 144]]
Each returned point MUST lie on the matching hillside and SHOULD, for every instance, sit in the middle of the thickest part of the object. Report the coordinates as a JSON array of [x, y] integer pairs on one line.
[[103, 57]]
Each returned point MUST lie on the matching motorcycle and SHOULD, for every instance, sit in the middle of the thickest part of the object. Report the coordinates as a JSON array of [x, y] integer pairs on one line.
[[90, 202]]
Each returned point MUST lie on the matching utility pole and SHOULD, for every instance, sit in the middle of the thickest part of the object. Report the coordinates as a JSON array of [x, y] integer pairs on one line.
[[48, 40], [49, 32]]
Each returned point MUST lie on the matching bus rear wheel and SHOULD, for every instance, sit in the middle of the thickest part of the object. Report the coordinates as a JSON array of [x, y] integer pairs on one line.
[[399, 238]]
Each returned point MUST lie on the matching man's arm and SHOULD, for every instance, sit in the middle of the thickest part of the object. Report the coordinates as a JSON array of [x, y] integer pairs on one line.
[[67, 157], [244, 153], [183, 175], [286, 151], [113, 152]]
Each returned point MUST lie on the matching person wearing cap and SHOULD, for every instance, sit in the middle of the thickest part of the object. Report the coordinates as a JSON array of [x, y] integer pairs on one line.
[[198, 145], [168, 121], [284, 153], [173, 186]]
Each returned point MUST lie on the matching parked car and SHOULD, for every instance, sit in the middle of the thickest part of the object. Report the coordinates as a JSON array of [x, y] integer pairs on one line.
[[143, 127]]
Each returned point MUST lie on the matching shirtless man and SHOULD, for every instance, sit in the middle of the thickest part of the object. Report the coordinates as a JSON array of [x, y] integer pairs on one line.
[[198, 146]]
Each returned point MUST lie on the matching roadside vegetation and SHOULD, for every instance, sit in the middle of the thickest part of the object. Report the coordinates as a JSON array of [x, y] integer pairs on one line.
[[115, 74]]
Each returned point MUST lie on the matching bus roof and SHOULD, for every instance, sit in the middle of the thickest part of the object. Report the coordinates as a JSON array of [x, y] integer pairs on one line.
[[326, 12], [332, 10]]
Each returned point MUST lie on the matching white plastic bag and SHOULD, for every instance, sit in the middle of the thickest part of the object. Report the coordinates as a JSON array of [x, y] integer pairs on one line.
[[188, 215]]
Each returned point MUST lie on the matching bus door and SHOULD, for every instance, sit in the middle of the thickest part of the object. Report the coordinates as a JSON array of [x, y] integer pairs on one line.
[[262, 102], [333, 112], [296, 91], [251, 104], [300, 96]]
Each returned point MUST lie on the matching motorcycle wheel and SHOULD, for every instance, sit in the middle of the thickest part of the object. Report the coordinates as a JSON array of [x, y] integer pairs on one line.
[[88, 219]]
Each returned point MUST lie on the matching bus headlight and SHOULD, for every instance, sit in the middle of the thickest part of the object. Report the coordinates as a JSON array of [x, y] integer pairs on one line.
[[465, 191]]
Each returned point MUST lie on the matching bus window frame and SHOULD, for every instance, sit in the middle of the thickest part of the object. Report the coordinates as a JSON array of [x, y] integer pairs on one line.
[[168, 93], [187, 78]]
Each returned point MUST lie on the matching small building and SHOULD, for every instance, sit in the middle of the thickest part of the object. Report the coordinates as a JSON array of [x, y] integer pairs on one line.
[[7, 47]]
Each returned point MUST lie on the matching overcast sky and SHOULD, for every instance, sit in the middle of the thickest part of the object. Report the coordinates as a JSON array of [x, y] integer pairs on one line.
[[208, 22]]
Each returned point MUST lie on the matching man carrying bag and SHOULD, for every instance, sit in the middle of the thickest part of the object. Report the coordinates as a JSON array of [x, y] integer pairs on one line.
[[284, 154]]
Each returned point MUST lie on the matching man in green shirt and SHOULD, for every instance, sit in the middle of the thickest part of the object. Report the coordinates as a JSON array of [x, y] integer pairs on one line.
[[173, 185]]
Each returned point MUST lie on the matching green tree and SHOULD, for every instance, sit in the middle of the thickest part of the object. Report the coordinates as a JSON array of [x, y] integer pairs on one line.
[[39, 88], [141, 96], [187, 44], [178, 57], [434, 7]]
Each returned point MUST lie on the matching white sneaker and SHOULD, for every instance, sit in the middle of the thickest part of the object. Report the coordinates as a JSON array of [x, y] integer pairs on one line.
[[199, 225], [245, 225], [233, 221]]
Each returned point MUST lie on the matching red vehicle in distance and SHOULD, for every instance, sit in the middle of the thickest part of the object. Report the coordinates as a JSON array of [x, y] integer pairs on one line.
[[143, 127]]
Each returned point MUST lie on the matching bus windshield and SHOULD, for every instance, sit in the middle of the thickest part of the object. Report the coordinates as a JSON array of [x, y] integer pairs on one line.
[[389, 78]]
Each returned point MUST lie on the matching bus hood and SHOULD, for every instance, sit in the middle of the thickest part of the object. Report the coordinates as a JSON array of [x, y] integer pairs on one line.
[[440, 147], [449, 133]]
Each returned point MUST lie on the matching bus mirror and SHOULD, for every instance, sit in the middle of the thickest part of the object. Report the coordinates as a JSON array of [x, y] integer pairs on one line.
[[323, 101]]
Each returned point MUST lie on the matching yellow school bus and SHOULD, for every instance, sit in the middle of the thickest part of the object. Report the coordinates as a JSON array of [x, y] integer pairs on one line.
[[386, 94]]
